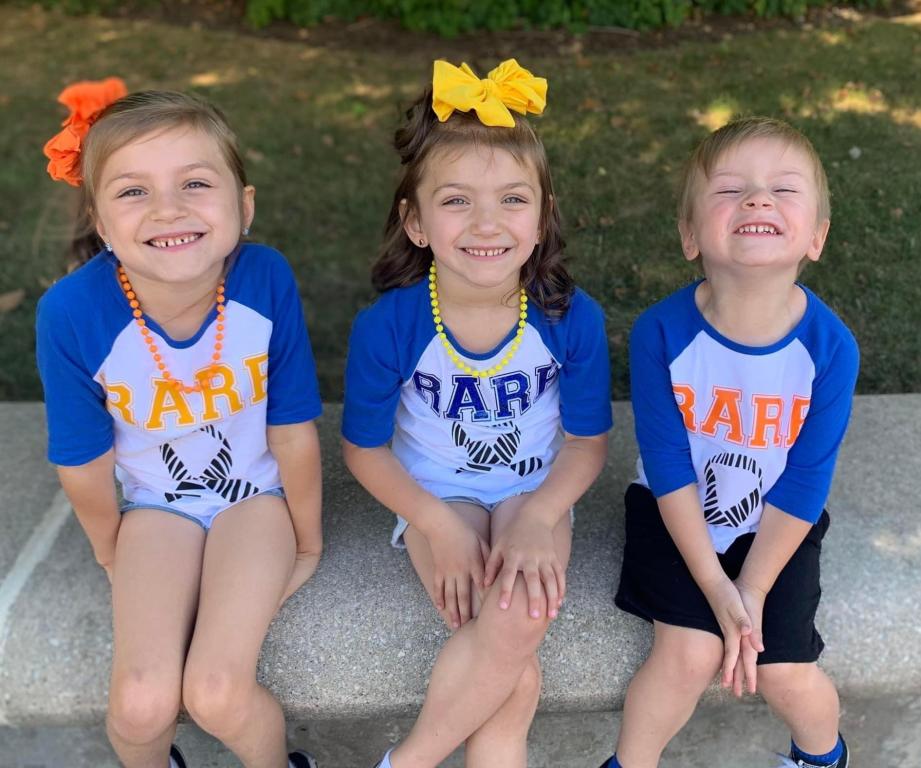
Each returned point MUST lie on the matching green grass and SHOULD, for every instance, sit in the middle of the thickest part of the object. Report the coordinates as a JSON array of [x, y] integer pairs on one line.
[[315, 123]]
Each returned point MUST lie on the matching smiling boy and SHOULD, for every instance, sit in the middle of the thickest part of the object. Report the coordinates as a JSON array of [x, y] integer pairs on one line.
[[741, 386]]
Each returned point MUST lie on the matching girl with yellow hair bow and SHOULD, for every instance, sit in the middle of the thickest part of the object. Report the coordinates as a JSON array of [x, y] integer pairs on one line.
[[477, 402]]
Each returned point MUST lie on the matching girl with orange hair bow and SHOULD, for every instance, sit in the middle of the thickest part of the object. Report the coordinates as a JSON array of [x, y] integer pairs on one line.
[[176, 359], [477, 402]]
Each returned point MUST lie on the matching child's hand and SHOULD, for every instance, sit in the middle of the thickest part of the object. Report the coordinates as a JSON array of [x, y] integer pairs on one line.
[[458, 554], [751, 645], [735, 623], [527, 545], [305, 563]]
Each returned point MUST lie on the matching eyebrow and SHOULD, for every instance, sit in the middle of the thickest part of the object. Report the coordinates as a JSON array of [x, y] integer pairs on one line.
[[790, 172], [184, 169], [458, 185]]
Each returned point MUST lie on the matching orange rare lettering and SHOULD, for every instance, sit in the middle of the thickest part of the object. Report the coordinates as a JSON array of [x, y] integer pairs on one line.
[[258, 375], [725, 410], [213, 390], [118, 400], [797, 417], [686, 397], [767, 413], [168, 398]]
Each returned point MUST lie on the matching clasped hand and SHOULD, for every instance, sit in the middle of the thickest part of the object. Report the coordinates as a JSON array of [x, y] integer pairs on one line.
[[527, 546], [737, 609]]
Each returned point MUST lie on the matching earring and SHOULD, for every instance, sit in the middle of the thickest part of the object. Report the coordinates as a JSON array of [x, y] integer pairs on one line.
[[245, 231], [422, 242], [108, 245]]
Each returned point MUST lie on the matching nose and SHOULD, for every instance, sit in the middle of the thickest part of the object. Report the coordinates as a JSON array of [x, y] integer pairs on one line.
[[485, 220], [758, 198], [167, 206]]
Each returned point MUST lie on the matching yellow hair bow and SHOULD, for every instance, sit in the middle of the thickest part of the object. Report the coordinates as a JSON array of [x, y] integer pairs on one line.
[[508, 86]]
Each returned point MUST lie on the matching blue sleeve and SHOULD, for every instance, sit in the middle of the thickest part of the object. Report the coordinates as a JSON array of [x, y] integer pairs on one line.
[[80, 428], [802, 489], [294, 395], [372, 381], [660, 430], [585, 375]]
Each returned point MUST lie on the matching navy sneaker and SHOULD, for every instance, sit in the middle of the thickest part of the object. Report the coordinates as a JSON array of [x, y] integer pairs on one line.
[[176, 756], [301, 759], [842, 762]]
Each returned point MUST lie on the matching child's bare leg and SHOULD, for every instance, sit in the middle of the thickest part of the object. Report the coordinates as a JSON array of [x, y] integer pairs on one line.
[[503, 739], [805, 698], [664, 692], [247, 562], [476, 672], [154, 595]]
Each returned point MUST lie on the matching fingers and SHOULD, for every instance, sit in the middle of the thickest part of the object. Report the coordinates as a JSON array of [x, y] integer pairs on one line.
[[737, 678], [730, 657], [463, 600], [451, 603], [478, 571], [548, 577], [560, 572], [439, 592], [506, 584], [749, 665], [535, 592], [493, 563]]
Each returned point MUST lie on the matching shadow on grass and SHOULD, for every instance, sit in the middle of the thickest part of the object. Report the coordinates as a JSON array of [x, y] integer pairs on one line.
[[316, 124]]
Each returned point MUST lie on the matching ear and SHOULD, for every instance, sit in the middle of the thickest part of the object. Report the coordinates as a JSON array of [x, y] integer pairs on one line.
[[248, 206], [100, 228], [688, 241], [818, 240], [412, 226]]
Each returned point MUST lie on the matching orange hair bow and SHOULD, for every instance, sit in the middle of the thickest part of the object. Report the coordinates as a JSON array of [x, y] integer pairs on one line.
[[508, 86], [85, 100]]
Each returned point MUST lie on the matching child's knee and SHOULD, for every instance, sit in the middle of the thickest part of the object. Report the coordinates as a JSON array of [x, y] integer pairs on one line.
[[216, 699], [693, 658], [512, 630], [778, 682], [141, 707]]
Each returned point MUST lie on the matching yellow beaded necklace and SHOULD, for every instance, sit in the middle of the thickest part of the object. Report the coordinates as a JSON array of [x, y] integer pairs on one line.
[[204, 377], [449, 348]]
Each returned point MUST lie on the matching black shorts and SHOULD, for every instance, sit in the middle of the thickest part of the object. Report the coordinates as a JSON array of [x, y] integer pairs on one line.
[[655, 583]]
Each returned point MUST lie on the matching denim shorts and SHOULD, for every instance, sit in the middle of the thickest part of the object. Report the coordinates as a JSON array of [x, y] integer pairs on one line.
[[204, 519], [396, 538]]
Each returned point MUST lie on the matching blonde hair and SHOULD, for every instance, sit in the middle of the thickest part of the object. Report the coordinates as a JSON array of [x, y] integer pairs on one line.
[[731, 135], [135, 115]]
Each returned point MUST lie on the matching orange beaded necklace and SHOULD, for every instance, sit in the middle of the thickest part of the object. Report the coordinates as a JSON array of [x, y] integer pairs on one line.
[[203, 381]]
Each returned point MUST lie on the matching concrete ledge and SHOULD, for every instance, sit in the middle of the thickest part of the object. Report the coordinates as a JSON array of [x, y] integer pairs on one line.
[[357, 642]]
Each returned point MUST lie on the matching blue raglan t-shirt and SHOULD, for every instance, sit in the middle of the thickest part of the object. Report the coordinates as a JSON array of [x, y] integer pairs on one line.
[[459, 435], [748, 425], [103, 389]]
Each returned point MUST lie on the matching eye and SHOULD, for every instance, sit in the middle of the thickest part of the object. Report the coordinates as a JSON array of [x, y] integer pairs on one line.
[[130, 192], [785, 189], [515, 200], [197, 184], [729, 191], [454, 201]]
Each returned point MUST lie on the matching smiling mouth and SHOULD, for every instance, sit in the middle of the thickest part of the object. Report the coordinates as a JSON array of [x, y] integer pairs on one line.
[[758, 229], [169, 242], [485, 252]]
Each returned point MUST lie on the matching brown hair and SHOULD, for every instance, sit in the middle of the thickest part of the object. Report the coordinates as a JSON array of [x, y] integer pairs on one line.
[[135, 115], [401, 262], [731, 135]]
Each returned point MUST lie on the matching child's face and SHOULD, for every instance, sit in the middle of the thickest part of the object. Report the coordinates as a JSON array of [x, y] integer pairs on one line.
[[171, 207], [479, 210], [759, 209]]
